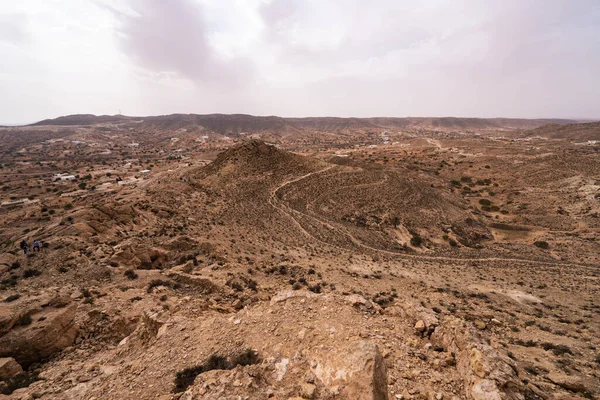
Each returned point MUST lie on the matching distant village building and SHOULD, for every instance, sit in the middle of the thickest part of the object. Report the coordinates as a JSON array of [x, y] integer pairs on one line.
[[64, 177], [18, 202]]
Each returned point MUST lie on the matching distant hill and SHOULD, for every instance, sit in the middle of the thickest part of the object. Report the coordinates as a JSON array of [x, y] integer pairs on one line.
[[585, 131], [239, 123], [83, 119]]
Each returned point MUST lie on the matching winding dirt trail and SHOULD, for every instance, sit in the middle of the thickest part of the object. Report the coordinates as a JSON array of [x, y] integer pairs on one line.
[[273, 201]]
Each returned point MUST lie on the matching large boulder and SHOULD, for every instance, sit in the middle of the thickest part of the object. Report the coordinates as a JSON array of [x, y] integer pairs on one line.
[[358, 372], [50, 330], [9, 368], [487, 374]]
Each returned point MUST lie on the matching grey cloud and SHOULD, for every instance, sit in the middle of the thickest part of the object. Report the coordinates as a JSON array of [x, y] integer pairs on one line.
[[171, 36], [517, 34], [13, 28]]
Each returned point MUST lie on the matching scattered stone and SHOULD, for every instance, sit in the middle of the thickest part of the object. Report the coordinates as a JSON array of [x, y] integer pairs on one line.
[[479, 324], [308, 390]]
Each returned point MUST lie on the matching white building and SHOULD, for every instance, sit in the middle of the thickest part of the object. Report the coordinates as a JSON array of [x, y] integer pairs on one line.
[[64, 177]]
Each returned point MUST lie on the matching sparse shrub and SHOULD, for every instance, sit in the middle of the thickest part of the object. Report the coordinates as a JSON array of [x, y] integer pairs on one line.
[[158, 282], [558, 350], [531, 370], [12, 297], [541, 244], [136, 298], [130, 274], [15, 265], [246, 357], [252, 285], [31, 272], [186, 377], [416, 240], [485, 202], [68, 206], [62, 269], [315, 288]]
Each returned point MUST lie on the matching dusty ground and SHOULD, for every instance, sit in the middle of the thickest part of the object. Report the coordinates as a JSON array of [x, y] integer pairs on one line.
[[436, 265]]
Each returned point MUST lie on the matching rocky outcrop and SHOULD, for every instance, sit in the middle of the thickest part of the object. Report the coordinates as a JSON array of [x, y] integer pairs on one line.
[[356, 373], [487, 374], [34, 339], [9, 368]]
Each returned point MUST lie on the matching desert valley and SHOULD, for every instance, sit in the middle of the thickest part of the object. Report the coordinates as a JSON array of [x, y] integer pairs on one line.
[[241, 257]]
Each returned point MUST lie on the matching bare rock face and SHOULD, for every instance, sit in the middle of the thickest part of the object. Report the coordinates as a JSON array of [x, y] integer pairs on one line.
[[9, 368], [359, 372], [487, 374], [52, 330], [572, 383]]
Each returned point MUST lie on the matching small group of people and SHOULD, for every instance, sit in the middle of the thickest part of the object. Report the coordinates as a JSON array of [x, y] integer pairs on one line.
[[25, 246]]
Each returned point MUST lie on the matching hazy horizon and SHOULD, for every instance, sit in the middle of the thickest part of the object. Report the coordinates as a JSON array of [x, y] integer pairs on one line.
[[291, 58], [578, 120]]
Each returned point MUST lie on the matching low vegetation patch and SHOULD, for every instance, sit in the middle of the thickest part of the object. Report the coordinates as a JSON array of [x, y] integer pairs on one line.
[[31, 272], [130, 274], [160, 282], [416, 240], [12, 297], [185, 378]]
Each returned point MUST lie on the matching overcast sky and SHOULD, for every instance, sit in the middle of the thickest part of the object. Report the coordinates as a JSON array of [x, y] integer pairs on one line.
[[480, 58]]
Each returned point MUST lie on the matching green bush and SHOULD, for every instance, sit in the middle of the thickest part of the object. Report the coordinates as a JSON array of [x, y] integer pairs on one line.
[[416, 240]]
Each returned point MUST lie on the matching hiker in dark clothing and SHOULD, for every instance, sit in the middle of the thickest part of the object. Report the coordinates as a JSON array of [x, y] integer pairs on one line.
[[24, 247], [36, 245]]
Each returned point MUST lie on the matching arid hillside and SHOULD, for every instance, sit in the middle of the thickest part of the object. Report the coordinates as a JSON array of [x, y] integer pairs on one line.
[[239, 123], [427, 266], [586, 131]]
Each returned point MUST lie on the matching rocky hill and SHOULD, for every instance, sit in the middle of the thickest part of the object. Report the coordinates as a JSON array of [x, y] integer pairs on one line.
[[239, 123], [270, 274], [579, 132]]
